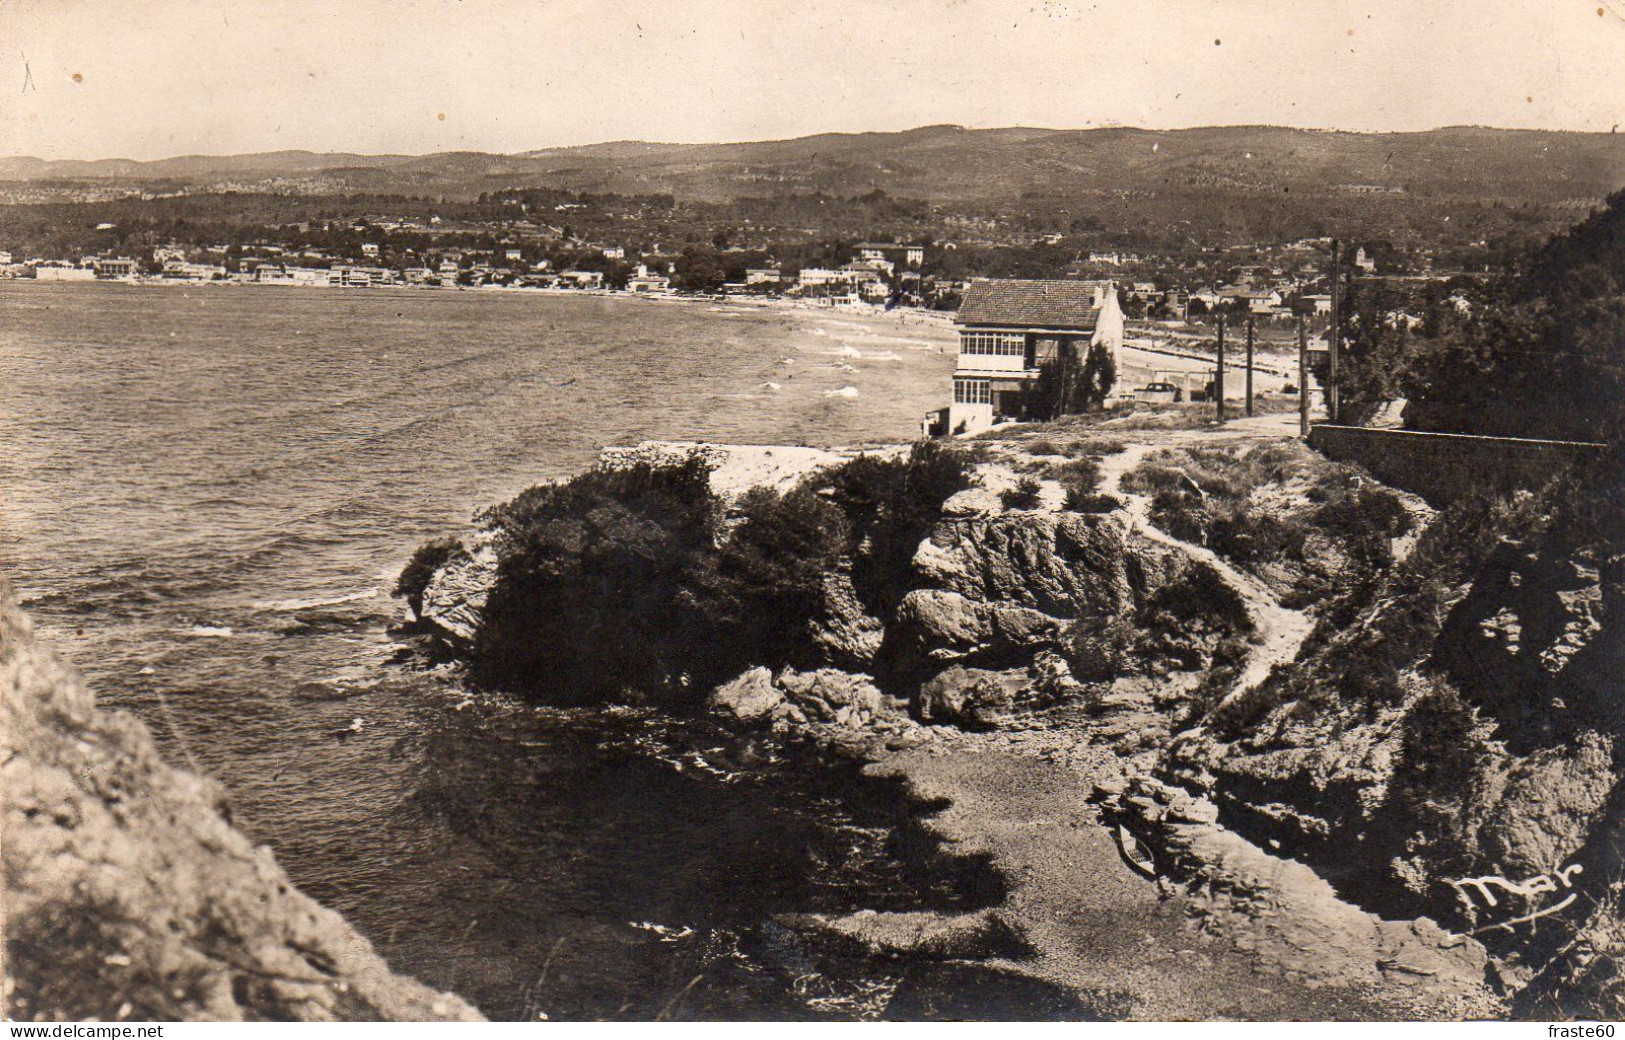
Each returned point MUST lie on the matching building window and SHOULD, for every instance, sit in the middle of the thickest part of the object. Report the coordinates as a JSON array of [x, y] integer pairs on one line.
[[973, 391], [998, 344]]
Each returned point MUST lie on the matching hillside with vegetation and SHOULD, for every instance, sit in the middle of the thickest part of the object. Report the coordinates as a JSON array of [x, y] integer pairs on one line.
[[1125, 187], [1537, 351]]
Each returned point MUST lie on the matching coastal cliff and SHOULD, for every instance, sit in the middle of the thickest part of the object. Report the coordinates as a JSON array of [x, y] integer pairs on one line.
[[1233, 658], [128, 893]]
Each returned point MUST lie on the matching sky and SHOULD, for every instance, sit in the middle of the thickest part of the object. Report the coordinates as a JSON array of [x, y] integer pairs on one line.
[[143, 79]]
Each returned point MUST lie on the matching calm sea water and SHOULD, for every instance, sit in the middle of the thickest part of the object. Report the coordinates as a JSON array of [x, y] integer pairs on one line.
[[205, 495]]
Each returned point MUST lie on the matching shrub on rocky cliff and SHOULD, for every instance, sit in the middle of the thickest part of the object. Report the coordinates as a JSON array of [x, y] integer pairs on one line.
[[754, 598], [1308, 525], [632, 581], [1025, 495], [891, 505], [1099, 648], [589, 597], [1079, 478]]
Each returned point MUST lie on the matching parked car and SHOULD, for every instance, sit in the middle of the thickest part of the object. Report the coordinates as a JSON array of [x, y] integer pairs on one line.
[[1161, 393]]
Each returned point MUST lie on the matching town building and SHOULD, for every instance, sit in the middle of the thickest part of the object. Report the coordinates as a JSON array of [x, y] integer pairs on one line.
[[647, 281], [60, 272], [812, 277], [116, 267], [894, 254], [279, 274], [583, 279], [1009, 328], [180, 270], [762, 276]]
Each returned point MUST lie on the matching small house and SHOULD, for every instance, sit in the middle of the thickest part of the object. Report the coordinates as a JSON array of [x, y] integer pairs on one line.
[[1010, 328]]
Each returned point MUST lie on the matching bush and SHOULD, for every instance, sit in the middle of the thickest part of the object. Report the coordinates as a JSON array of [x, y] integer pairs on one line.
[[1098, 649], [890, 506], [1027, 494], [1180, 514], [1081, 475], [420, 570], [767, 579], [630, 581], [1091, 502], [590, 594]]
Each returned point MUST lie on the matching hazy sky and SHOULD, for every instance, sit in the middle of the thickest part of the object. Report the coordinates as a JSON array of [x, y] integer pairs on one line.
[[151, 78]]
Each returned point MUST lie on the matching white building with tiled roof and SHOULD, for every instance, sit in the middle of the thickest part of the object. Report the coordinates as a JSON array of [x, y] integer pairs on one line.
[[1008, 328]]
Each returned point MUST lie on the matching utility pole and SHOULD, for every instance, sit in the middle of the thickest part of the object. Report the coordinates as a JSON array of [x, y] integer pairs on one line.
[[1249, 365], [1335, 338], [1218, 383], [1303, 377]]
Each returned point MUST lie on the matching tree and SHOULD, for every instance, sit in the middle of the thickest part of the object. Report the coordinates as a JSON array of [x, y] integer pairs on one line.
[[1066, 385], [1099, 376]]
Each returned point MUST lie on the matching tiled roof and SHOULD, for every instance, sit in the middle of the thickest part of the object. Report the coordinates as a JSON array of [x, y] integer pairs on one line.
[[1045, 303]]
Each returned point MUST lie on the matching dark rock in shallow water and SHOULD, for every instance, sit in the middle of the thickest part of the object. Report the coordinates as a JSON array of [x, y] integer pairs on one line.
[[957, 991], [128, 895], [922, 933]]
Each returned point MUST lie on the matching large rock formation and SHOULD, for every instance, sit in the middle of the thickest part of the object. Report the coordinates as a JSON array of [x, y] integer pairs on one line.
[[456, 593], [1277, 908], [128, 895]]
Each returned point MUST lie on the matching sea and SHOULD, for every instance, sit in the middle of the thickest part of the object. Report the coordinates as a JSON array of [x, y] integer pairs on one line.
[[206, 494]]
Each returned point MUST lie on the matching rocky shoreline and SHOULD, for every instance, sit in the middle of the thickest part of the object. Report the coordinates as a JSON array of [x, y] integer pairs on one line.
[[994, 678], [1093, 683], [130, 896]]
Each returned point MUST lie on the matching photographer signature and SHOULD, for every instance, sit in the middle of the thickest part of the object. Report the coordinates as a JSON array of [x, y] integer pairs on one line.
[[1541, 884]]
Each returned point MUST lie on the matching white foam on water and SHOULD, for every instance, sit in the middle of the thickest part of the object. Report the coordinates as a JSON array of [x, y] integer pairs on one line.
[[210, 631], [286, 605], [845, 391]]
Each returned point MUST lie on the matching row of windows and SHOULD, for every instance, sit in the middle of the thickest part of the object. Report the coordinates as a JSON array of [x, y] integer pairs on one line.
[[1003, 344], [973, 391]]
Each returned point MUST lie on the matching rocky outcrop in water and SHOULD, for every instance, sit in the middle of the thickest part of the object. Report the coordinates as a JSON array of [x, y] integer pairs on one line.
[[454, 596], [129, 895]]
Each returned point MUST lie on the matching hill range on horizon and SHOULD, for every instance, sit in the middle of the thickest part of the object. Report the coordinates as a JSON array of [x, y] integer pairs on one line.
[[937, 163]]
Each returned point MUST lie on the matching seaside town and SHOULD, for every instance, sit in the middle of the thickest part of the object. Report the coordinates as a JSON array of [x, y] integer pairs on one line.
[[1161, 306]]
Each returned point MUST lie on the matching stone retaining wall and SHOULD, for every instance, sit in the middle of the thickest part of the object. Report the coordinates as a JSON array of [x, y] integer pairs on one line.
[[1443, 467]]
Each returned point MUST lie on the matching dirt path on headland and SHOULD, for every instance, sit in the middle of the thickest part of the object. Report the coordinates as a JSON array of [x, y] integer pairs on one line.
[[1094, 926], [1278, 631]]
